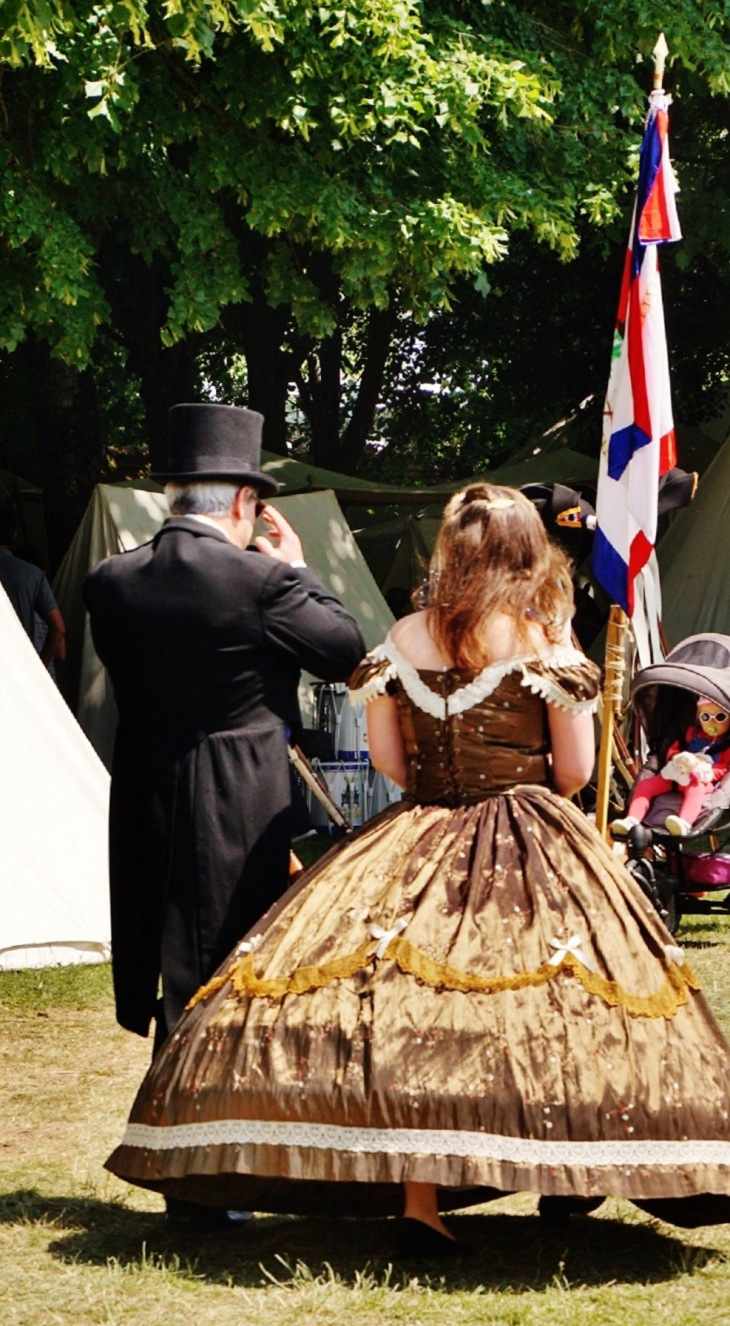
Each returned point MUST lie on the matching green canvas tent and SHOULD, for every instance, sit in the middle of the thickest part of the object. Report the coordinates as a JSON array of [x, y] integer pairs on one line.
[[560, 466], [694, 557], [397, 548]]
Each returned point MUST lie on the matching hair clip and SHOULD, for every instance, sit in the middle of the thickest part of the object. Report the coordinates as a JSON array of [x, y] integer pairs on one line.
[[499, 503]]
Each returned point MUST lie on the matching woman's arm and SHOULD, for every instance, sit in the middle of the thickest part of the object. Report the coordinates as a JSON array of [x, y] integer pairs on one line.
[[387, 752], [572, 742]]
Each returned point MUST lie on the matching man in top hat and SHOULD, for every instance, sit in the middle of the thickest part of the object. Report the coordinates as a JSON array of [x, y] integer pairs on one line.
[[204, 638]]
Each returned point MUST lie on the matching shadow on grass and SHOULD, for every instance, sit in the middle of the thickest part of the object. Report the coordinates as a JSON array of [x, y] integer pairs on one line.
[[508, 1251], [700, 943], [701, 931]]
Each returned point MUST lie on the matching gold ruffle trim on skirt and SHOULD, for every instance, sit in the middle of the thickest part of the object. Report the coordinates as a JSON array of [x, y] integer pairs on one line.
[[664, 1003], [246, 983]]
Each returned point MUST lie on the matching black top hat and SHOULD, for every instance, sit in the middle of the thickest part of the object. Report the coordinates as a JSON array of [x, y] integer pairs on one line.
[[216, 442]]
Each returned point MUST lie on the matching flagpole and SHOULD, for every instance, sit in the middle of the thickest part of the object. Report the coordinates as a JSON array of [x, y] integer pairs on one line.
[[660, 53], [614, 663], [613, 685]]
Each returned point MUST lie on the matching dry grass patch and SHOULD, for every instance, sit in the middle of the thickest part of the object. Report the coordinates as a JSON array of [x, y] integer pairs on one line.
[[79, 1248]]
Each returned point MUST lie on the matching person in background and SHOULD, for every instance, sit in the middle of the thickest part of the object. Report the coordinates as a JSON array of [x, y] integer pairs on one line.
[[30, 593]]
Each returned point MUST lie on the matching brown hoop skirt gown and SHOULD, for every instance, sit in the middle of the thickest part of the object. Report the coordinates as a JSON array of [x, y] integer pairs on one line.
[[470, 991]]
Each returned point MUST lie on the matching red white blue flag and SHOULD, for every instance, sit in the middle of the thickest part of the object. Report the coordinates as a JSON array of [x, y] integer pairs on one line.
[[638, 430]]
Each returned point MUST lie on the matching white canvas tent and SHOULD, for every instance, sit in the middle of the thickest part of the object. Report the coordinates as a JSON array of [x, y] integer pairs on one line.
[[694, 558], [119, 518], [54, 793]]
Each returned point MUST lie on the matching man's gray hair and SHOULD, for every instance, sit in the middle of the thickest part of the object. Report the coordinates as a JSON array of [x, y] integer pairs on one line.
[[207, 497]]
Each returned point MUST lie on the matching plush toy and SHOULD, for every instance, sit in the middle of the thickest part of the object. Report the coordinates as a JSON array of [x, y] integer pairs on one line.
[[694, 765], [688, 769]]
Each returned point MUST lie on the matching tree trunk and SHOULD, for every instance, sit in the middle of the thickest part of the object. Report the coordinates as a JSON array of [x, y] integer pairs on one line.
[[69, 442], [381, 325], [167, 375], [262, 329], [321, 394]]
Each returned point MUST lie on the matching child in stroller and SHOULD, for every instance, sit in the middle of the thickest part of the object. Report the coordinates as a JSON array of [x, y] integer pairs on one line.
[[683, 705], [701, 759]]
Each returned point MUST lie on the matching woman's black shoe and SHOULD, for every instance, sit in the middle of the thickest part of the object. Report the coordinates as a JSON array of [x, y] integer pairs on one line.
[[417, 1239]]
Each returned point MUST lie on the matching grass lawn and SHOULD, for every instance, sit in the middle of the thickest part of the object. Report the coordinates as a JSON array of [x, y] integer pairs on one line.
[[79, 1248]]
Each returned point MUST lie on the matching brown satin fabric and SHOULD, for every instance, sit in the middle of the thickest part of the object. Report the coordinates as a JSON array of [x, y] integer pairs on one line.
[[486, 749], [488, 886]]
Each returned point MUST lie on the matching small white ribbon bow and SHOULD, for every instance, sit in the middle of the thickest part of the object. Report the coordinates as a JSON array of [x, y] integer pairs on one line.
[[384, 936], [249, 945], [572, 945]]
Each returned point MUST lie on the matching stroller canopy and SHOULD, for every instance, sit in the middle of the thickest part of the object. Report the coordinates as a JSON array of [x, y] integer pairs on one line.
[[700, 664]]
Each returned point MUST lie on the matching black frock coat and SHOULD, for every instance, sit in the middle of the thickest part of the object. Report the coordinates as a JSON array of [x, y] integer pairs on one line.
[[204, 644]]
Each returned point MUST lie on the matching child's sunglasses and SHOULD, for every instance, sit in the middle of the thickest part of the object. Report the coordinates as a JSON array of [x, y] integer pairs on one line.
[[705, 717]]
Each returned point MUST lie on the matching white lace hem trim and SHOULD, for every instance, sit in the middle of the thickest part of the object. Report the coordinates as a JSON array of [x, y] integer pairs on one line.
[[425, 1141], [443, 707]]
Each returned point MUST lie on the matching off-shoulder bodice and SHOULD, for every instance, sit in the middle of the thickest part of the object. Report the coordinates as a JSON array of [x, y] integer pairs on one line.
[[469, 735]]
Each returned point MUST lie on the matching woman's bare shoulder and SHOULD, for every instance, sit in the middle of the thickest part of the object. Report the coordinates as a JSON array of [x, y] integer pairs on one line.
[[412, 638], [504, 641], [414, 641]]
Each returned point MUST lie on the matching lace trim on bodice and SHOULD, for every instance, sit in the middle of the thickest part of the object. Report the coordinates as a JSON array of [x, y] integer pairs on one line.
[[443, 707]]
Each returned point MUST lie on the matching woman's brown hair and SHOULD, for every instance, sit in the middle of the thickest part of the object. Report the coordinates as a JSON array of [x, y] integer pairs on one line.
[[492, 555]]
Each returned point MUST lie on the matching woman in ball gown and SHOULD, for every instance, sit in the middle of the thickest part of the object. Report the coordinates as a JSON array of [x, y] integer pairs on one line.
[[469, 996]]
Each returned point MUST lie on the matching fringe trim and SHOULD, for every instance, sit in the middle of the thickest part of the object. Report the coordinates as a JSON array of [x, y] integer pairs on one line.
[[553, 693], [384, 663], [371, 677], [245, 984]]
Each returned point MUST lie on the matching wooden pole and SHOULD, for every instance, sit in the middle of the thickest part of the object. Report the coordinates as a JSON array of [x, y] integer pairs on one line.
[[307, 774], [612, 698]]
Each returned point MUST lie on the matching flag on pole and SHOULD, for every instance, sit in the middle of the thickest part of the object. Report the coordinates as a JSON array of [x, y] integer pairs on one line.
[[638, 431]]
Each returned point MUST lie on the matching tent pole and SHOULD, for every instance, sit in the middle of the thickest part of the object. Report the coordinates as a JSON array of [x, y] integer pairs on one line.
[[612, 698]]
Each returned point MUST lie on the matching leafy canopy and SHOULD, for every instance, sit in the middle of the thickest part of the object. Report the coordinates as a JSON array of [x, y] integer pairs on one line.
[[392, 144]]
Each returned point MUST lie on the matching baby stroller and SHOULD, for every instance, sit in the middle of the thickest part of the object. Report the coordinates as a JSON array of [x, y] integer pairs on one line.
[[690, 874]]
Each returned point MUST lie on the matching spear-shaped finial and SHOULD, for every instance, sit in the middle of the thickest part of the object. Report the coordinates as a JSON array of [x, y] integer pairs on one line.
[[660, 53]]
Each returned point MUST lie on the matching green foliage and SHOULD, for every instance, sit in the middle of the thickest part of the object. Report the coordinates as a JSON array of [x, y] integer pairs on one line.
[[327, 159], [404, 140]]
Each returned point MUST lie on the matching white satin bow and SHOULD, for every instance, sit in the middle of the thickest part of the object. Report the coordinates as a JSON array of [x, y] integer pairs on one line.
[[384, 936], [572, 945]]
